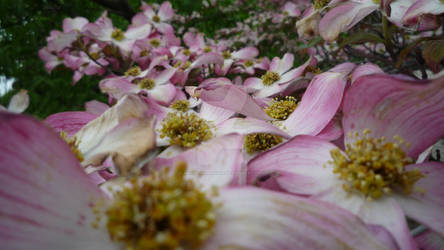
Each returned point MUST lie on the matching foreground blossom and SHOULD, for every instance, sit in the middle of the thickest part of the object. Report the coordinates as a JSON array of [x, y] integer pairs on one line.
[[375, 176], [48, 202]]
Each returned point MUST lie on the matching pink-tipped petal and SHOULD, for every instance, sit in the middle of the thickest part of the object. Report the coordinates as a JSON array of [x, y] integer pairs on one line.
[[253, 83], [96, 107], [390, 106], [297, 166], [248, 126], [252, 218], [318, 106], [214, 114], [163, 93], [236, 99], [70, 122], [166, 11], [46, 197]]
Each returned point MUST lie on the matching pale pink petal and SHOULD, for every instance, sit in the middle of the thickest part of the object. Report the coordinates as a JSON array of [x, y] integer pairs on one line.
[[343, 68], [214, 114], [248, 126], [96, 107], [207, 58], [282, 65], [390, 106], [62, 41], [426, 207], [421, 7], [139, 32], [292, 9], [332, 131], [217, 162], [165, 75], [294, 73], [252, 218], [318, 106], [19, 102], [365, 69], [70, 122], [236, 99], [297, 166], [166, 11], [118, 87], [398, 9], [253, 83], [245, 53], [270, 91], [163, 93], [74, 23], [46, 197], [429, 240], [343, 17]]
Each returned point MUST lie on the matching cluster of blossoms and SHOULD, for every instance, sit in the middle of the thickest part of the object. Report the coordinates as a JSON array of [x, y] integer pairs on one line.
[[202, 146]]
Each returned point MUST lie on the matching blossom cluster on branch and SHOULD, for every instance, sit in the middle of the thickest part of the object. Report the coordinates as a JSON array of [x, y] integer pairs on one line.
[[207, 144]]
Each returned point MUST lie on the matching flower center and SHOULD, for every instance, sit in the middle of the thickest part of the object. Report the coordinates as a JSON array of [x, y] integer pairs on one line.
[[374, 167], [207, 49], [155, 42], [281, 108], [147, 83], [319, 4], [185, 129], [270, 77], [180, 105], [259, 142], [161, 211], [156, 19], [73, 143], [118, 34], [186, 52], [144, 53], [285, 13], [133, 71], [226, 54], [248, 63]]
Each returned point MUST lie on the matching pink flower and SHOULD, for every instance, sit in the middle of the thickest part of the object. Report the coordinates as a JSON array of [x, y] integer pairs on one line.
[[289, 10], [48, 202], [422, 11], [390, 121], [159, 20]]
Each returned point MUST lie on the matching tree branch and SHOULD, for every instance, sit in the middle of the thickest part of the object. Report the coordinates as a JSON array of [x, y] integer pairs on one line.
[[119, 7]]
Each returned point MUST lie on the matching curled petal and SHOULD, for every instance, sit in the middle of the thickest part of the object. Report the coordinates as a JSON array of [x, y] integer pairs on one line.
[[248, 126]]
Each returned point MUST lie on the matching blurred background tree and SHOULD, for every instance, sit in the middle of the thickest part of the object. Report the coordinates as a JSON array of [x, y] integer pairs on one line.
[[25, 24]]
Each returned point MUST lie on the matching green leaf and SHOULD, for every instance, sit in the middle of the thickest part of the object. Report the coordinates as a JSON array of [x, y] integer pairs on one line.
[[361, 37]]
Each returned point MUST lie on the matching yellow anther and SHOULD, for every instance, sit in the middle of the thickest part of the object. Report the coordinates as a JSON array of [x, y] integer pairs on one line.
[[248, 63], [226, 54], [270, 77], [258, 142], [133, 71], [374, 167], [155, 42], [73, 143], [147, 83], [118, 35], [156, 19], [180, 105], [281, 108], [207, 49]]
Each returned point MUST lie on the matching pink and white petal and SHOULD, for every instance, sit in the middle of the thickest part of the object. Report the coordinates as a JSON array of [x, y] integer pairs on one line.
[[248, 126], [166, 11], [299, 166], [285, 64], [207, 58], [253, 83], [343, 68], [165, 75], [415, 112], [126, 143], [332, 131], [294, 223], [236, 99], [130, 106], [270, 91], [19, 102], [318, 106], [217, 162], [163, 93], [429, 240], [118, 87], [426, 207], [421, 7], [76, 23], [70, 122], [139, 32], [294, 73], [398, 9], [96, 107], [245, 53], [46, 197], [214, 114], [365, 69], [343, 17]]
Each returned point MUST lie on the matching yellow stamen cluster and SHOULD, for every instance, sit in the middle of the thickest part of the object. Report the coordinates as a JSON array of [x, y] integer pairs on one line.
[[73, 143], [270, 77], [374, 167], [155, 42], [248, 63], [259, 142], [147, 83], [156, 19], [133, 71], [207, 49], [144, 53], [185, 129], [161, 211], [226, 54], [281, 108], [285, 13], [180, 105], [319, 4], [186, 52], [94, 55], [118, 35]]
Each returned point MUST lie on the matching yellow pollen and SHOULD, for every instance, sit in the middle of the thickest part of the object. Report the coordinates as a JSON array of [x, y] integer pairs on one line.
[[147, 83], [319, 4], [281, 108], [207, 49], [180, 105], [133, 71], [186, 52], [144, 53], [226, 54], [73, 143], [259, 142], [185, 129], [161, 211], [118, 35], [155, 42], [156, 19], [186, 65], [270, 77], [374, 167], [285, 13], [248, 63], [94, 55]]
